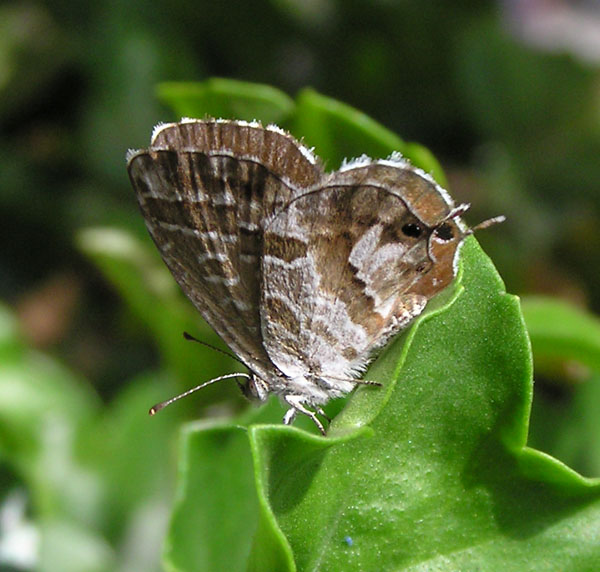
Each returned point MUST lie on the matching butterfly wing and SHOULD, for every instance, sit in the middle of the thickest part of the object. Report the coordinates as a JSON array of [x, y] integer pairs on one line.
[[205, 189], [341, 267]]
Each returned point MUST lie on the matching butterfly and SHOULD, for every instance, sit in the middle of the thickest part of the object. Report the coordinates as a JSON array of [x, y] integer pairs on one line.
[[303, 273]]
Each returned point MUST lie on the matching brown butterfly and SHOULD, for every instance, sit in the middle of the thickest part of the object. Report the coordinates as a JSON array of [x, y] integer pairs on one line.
[[302, 273]]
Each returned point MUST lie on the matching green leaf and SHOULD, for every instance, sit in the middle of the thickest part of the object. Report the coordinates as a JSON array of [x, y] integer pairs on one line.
[[440, 479], [560, 331], [219, 97], [336, 130], [566, 348], [216, 513], [569, 428]]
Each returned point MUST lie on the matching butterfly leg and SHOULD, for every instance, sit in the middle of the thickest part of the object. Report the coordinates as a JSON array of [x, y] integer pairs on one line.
[[289, 416], [323, 414], [297, 406]]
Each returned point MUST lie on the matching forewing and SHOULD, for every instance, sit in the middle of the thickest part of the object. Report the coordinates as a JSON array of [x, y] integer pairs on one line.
[[205, 189]]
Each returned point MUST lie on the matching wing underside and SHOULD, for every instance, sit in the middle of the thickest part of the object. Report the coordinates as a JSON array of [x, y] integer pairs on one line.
[[205, 190], [338, 272]]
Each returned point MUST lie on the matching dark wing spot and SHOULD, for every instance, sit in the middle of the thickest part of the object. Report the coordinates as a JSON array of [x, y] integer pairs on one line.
[[412, 230], [444, 232]]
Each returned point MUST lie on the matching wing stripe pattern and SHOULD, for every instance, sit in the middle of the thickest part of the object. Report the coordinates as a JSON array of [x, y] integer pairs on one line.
[[205, 189]]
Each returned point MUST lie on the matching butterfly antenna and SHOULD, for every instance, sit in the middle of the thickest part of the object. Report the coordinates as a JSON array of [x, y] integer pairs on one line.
[[191, 338], [463, 208], [156, 408], [458, 211], [486, 224]]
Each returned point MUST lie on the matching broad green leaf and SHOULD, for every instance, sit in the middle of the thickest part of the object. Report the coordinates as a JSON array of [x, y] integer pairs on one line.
[[566, 348], [440, 479], [216, 484], [227, 98], [560, 331], [571, 433], [336, 130], [216, 513]]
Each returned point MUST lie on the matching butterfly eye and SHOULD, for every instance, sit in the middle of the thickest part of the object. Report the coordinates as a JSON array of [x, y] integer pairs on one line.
[[411, 229], [444, 232]]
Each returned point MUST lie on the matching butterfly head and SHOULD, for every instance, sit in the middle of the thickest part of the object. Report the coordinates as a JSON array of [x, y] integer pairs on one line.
[[443, 244]]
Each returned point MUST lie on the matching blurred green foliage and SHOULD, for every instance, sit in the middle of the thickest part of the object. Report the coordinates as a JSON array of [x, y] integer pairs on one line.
[[90, 335]]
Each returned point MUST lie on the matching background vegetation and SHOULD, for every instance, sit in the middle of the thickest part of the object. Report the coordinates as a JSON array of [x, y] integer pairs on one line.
[[90, 327]]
